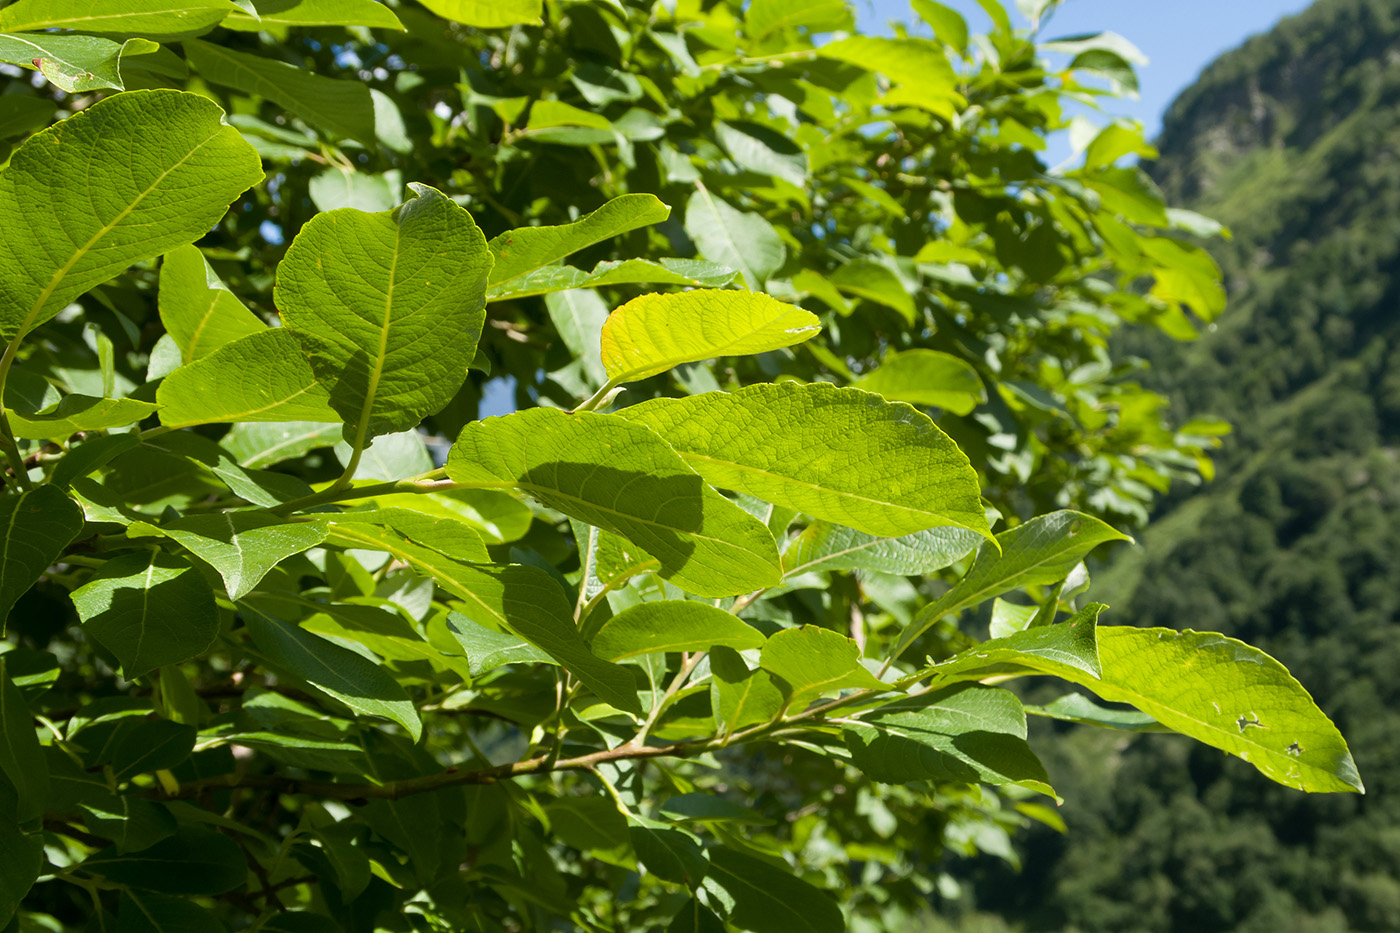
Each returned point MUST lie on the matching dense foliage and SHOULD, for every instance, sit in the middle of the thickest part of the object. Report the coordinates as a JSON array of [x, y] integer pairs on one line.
[[298, 641], [1291, 141]]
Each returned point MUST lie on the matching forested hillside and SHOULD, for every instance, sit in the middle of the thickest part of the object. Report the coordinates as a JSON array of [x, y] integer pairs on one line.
[[1293, 140]]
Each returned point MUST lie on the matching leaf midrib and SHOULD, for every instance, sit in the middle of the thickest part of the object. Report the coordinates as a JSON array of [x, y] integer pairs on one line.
[[105, 229]]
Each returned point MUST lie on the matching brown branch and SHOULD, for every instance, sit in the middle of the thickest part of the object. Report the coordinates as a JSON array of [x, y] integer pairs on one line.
[[452, 777]]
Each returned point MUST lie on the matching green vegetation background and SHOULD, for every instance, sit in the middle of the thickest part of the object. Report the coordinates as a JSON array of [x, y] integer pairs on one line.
[[1293, 140]]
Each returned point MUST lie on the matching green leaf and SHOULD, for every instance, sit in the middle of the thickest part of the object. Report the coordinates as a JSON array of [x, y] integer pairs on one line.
[[390, 457], [336, 188], [487, 649], [499, 516], [741, 697], [1076, 707], [702, 808], [342, 108], [1068, 650], [838, 454], [75, 64], [193, 861], [488, 14], [917, 67], [1228, 695], [653, 333], [388, 307], [155, 745], [24, 115], [448, 536], [79, 413], [38, 524], [694, 273], [168, 18], [823, 546], [261, 445], [257, 486], [1039, 552], [144, 912], [763, 150], [927, 377], [672, 625], [525, 250], [966, 733], [609, 472], [526, 601], [352, 679], [295, 14], [694, 917], [810, 661], [21, 756], [587, 822], [262, 377], [89, 456], [765, 17], [149, 609], [197, 309], [21, 857], [734, 238], [578, 316], [668, 853], [947, 23], [241, 546], [130, 822], [770, 900], [872, 281], [131, 177]]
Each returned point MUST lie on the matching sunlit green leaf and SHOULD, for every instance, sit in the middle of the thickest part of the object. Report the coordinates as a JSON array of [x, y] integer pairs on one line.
[[54, 247], [824, 546], [926, 377], [79, 413], [241, 546], [299, 13], [1039, 552], [653, 333], [488, 14], [198, 310], [609, 472], [527, 250], [811, 661], [671, 625], [842, 455], [172, 18], [388, 307]]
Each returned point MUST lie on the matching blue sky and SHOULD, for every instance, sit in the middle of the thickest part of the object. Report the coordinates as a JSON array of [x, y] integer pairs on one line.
[[1179, 37]]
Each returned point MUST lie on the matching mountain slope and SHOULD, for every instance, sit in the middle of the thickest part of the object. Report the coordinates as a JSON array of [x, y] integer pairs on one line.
[[1293, 140]]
